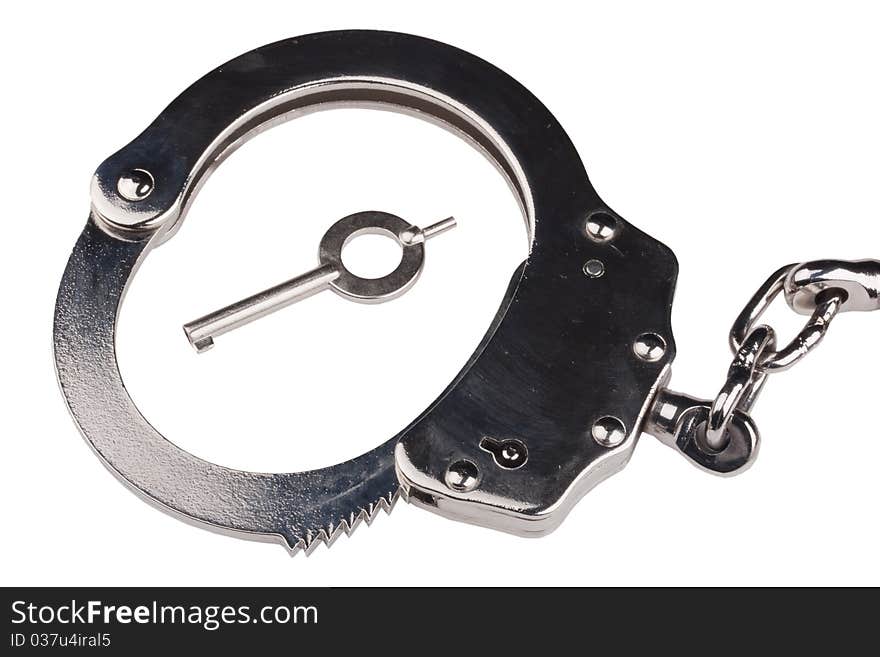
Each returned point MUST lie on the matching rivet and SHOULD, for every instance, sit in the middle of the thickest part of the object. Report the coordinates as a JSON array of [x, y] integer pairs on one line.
[[462, 476], [650, 347], [135, 185], [600, 226], [608, 431], [594, 268]]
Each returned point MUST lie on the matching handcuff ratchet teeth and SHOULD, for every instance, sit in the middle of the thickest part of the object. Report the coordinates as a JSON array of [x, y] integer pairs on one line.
[[571, 371]]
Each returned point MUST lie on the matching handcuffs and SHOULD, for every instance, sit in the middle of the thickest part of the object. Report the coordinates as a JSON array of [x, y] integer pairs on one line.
[[571, 371]]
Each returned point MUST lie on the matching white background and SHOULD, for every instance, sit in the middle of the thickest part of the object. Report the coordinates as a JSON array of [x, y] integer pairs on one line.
[[744, 138]]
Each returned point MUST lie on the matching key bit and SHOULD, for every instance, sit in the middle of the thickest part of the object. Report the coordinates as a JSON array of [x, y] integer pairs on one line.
[[330, 273]]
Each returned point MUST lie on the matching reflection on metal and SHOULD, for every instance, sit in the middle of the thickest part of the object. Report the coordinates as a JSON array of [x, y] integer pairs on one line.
[[552, 401]]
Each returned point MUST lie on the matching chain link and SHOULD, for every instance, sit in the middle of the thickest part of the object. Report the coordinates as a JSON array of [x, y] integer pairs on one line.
[[821, 289], [744, 382], [827, 304]]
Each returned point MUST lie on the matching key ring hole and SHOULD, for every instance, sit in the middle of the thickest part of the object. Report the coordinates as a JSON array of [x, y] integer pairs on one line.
[[371, 253], [372, 290]]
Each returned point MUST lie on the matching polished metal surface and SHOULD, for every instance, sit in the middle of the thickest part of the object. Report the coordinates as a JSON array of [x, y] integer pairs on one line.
[[510, 453], [650, 347], [299, 509], [594, 268], [680, 421], [600, 226], [330, 273], [720, 436], [552, 373], [557, 357], [462, 476], [608, 431], [741, 389], [202, 331], [135, 185], [826, 307], [860, 279], [572, 369]]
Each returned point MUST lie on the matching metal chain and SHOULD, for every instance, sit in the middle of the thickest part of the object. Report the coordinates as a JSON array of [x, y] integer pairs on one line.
[[821, 289]]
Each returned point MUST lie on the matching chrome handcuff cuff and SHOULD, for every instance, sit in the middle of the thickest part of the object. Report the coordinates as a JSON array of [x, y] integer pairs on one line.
[[572, 370]]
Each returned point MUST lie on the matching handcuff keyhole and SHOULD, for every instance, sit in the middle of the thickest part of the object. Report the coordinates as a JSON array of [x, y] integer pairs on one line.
[[509, 454]]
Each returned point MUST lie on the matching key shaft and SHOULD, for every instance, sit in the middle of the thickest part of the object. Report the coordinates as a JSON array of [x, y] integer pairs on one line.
[[331, 272], [202, 331]]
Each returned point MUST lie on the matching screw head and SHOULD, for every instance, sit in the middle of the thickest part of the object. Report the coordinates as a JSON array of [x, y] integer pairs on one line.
[[463, 476], [650, 347], [600, 226], [135, 185], [608, 431], [594, 268]]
